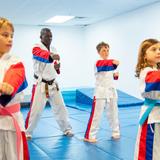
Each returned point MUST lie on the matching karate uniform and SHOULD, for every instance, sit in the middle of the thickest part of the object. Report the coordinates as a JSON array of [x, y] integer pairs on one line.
[[12, 72], [105, 97], [148, 137], [44, 72]]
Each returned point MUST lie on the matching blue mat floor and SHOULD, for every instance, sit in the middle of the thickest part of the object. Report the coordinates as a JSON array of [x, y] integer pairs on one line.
[[85, 96], [48, 143]]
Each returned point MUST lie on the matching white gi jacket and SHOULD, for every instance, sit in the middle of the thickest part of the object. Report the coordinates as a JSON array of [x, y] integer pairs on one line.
[[154, 116], [44, 70], [104, 85], [10, 63]]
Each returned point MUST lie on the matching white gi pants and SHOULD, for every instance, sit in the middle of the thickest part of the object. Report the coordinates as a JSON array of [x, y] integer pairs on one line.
[[8, 149], [58, 107], [97, 109]]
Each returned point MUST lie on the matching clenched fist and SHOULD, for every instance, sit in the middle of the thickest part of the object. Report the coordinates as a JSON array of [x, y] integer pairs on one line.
[[6, 88], [57, 66], [55, 56], [115, 62]]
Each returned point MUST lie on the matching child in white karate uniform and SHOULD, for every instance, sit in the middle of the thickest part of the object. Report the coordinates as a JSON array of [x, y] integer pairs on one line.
[[13, 144], [105, 95]]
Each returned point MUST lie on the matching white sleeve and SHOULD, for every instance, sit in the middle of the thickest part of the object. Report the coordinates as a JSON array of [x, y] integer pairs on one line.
[[95, 69], [151, 94]]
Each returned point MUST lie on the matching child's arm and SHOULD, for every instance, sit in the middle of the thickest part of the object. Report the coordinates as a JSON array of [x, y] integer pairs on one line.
[[152, 85], [106, 65], [14, 81], [115, 62], [44, 55]]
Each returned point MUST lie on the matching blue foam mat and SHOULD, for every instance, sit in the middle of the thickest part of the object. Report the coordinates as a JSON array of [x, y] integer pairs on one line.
[[48, 142], [85, 96], [82, 98]]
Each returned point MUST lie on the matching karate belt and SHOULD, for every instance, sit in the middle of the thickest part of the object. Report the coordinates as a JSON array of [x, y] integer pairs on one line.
[[50, 82], [46, 85], [150, 103], [7, 111]]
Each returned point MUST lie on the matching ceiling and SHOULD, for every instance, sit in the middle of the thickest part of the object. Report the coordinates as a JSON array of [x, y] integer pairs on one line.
[[36, 12]]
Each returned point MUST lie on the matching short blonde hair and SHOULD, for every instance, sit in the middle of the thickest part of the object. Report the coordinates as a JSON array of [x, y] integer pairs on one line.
[[5, 22]]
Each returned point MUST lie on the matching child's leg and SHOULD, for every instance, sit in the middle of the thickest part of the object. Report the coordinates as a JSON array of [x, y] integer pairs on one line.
[[148, 142], [112, 114], [36, 109], [136, 152], [2, 144], [8, 149], [95, 117], [60, 111], [156, 143]]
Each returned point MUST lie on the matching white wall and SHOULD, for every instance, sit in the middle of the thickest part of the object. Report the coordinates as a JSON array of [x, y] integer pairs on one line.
[[69, 43], [76, 46], [124, 34]]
